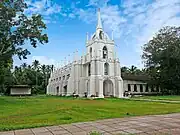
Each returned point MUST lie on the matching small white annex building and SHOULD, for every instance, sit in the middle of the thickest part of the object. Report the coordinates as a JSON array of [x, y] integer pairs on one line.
[[17, 90], [96, 74]]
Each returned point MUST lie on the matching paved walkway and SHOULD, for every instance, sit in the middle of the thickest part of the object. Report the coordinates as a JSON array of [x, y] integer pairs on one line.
[[155, 100], [153, 125]]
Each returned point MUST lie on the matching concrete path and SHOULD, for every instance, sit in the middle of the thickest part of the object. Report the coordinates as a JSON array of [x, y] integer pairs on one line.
[[155, 100], [144, 125]]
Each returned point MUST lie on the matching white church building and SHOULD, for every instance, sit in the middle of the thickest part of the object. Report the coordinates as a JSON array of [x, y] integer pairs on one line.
[[95, 74]]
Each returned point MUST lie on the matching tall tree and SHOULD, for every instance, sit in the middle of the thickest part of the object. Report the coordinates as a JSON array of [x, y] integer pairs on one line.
[[15, 29], [28, 75], [133, 69], [162, 58]]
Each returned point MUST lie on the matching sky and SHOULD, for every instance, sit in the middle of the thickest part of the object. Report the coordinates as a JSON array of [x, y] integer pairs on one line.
[[133, 22]]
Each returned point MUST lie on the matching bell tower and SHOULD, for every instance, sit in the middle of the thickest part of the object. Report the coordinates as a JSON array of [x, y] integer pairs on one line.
[[103, 69]]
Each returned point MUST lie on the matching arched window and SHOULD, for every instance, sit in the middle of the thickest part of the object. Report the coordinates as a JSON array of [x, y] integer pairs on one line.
[[89, 69], [106, 69], [105, 52], [90, 51], [68, 76], [100, 35]]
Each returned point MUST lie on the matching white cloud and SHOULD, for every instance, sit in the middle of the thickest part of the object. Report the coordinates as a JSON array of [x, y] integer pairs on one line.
[[158, 14], [71, 15], [87, 16], [134, 22], [110, 14], [98, 3], [43, 7], [112, 19], [137, 19], [44, 60]]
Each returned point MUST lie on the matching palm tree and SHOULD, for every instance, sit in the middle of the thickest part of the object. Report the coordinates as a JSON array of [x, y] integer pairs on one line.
[[133, 69], [35, 65]]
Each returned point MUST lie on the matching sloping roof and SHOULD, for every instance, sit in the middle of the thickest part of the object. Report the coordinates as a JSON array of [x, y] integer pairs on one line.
[[132, 77], [20, 86]]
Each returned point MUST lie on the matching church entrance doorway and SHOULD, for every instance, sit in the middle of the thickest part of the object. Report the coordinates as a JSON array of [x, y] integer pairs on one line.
[[107, 88], [57, 90], [65, 89]]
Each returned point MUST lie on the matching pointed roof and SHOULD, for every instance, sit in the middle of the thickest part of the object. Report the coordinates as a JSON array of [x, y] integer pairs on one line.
[[99, 34], [99, 23]]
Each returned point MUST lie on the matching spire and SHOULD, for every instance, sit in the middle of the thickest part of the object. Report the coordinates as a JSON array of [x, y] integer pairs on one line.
[[99, 23]]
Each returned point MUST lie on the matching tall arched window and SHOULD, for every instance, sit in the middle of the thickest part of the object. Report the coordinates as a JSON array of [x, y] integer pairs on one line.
[[105, 52], [90, 51], [106, 69], [89, 69]]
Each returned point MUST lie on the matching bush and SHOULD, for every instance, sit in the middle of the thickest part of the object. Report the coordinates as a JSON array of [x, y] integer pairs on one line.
[[95, 133]]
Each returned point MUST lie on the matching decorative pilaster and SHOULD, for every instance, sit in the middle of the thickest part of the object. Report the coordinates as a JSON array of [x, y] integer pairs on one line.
[[138, 87], [100, 93], [144, 88], [132, 87]]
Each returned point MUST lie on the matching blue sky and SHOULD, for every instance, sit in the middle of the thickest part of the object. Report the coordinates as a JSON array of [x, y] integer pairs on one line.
[[134, 23]]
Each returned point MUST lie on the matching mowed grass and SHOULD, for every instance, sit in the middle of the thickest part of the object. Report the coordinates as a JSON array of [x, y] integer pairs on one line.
[[168, 97], [28, 112]]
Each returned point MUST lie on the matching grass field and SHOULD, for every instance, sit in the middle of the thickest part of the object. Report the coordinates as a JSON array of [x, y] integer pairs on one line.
[[25, 112], [170, 98]]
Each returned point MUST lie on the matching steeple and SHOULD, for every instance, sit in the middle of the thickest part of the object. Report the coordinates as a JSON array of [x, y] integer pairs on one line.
[[99, 23], [99, 34]]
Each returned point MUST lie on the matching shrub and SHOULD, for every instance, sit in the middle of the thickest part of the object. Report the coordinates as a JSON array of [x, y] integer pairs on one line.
[[95, 133]]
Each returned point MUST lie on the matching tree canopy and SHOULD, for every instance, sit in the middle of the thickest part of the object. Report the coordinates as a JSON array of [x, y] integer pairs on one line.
[[35, 75], [162, 58], [17, 27], [16, 30]]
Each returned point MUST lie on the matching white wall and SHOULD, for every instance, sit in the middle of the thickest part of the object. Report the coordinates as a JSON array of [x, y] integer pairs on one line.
[[132, 82], [20, 91]]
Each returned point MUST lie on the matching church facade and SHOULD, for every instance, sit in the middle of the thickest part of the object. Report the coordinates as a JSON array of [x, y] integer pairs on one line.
[[95, 74]]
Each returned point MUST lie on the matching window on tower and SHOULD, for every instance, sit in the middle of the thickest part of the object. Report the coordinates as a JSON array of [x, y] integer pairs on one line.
[[100, 35], [90, 52], [105, 52], [89, 69], [106, 69]]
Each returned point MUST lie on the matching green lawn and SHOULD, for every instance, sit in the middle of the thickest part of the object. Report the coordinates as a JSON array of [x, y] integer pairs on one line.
[[170, 98], [25, 112]]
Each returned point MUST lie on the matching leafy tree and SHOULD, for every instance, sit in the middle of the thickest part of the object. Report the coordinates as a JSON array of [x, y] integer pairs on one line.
[[35, 77], [162, 59], [15, 29], [125, 70], [5, 75], [133, 70]]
